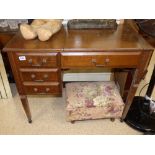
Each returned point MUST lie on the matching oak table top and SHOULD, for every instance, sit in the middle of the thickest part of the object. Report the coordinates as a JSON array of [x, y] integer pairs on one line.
[[18, 43], [124, 38]]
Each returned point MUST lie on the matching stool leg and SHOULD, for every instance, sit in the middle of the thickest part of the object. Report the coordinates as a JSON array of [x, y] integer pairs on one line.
[[121, 120], [112, 119], [72, 122]]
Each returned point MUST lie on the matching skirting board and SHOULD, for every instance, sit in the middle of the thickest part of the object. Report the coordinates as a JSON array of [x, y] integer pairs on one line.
[[87, 77]]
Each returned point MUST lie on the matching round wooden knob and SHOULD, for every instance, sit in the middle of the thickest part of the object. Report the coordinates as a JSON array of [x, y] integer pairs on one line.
[[35, 89], [45, 76], [33, 76], [47, 89]]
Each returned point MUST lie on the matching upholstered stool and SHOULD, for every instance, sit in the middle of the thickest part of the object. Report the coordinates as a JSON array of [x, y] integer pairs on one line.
[[93, 100]]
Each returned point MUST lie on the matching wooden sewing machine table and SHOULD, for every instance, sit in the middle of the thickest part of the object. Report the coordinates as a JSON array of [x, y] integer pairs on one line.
[[37, 66]]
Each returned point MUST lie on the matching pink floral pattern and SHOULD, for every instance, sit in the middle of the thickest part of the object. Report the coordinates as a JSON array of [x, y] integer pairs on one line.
[[93, 100]]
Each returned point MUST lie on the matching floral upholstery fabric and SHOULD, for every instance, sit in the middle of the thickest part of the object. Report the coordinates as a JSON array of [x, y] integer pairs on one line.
[[93, 100]]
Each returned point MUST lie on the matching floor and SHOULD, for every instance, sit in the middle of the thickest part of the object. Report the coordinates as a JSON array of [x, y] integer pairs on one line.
[[49, 118]]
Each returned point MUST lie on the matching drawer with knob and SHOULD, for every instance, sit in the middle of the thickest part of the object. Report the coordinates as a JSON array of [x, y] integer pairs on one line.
[[100, 59], [42, 89], [36, 59], [39, 75]]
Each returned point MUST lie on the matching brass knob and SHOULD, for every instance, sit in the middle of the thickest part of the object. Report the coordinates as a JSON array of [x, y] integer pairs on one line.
[[33, 76], [93, 60], [107, 60], [30, 61], [35, 89], [44, 61], [47, 89], [45, 76]]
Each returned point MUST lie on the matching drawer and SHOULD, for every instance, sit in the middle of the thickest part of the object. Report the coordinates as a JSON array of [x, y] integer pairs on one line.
[[39, 75], [42, 89], [100, 59], [36, 59]]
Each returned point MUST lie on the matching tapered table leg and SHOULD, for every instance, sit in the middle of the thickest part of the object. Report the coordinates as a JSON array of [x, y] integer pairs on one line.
[[131, 94], [26, 107]]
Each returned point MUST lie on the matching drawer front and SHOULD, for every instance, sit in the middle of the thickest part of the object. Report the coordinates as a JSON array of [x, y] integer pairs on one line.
[[36, 59], [39, 75], [42, 89], [104, 59]]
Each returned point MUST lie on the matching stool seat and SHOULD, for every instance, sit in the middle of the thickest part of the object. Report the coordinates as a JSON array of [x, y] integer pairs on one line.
[[93, 100]]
